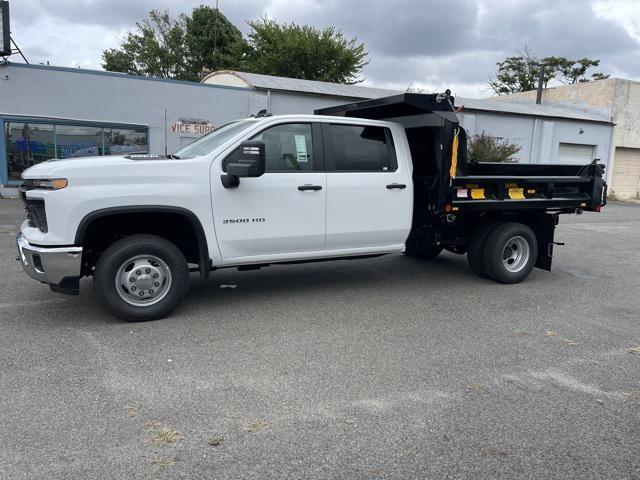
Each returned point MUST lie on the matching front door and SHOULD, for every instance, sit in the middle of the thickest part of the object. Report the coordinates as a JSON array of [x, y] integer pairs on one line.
[[282, 212]]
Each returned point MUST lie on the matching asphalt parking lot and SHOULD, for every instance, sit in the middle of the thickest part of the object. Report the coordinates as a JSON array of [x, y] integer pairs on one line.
[[381, 368]]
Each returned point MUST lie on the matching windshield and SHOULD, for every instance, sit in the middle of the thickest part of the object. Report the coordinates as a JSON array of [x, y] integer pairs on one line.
[[213, 140]]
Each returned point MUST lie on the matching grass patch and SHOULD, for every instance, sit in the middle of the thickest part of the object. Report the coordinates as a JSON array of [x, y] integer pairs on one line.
[[215, 440], [130, 411], [253, 427], [166, 436]]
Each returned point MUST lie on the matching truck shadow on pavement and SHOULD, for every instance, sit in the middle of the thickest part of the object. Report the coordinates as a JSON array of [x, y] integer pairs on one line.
[[308, 282], [303, 284]]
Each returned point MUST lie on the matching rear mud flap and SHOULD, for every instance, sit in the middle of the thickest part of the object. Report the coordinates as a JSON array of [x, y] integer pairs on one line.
[[544, 227]]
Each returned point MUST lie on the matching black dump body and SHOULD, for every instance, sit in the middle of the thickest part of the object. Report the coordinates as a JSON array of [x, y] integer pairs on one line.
[[453, 195]]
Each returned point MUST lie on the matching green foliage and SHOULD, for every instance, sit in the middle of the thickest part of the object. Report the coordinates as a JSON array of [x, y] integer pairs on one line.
[[303, 51], [212, 41], [205, 40], [569, 72], [486, 148], [520, 72], [156, 48], [178, 48]]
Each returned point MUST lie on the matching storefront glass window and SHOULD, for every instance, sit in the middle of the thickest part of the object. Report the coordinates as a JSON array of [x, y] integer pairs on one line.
[[78, 141], [119, 141], [27, 144]]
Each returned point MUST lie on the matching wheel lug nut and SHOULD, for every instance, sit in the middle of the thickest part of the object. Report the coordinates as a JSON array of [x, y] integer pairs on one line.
[[151, 290], [133, 289], [138, 272], [132, 279], [147, 270], [141, 294], [155, 275], [157, 284]]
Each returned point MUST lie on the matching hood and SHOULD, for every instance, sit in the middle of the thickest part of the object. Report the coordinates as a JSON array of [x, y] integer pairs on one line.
[[62, 167]]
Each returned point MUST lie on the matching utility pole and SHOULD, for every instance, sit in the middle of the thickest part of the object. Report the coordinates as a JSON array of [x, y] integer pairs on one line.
[[166, 151], [541, 66], [215, 33]]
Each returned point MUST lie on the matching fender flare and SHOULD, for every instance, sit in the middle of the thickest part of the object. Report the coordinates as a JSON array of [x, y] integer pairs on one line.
[[204, 261]]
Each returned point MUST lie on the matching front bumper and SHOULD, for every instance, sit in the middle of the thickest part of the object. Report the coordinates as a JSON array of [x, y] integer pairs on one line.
[[49, 265]]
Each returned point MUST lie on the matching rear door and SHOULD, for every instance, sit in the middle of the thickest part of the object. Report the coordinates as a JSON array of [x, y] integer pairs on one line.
[[369, 193], [282, 212]]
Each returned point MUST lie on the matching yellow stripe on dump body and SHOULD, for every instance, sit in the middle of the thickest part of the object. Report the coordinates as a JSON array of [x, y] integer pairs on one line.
[[516, 193], [477, 193], [454, 154]]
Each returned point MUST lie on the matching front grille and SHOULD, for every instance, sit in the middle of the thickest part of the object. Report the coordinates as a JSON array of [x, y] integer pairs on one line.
[[36, 214]]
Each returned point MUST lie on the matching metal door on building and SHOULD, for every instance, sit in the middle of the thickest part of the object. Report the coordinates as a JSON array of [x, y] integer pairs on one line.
[[625, 178], [575, 153]]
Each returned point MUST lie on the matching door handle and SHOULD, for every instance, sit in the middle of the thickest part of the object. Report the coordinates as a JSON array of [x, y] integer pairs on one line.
[[396, 185], [309, 187]]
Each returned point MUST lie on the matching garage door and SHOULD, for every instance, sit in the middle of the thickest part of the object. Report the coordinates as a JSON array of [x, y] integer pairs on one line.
[[625, 178], [575, 153]]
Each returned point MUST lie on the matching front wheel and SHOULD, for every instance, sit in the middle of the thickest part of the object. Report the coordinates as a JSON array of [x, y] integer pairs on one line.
[[141, 277], [510, 252]]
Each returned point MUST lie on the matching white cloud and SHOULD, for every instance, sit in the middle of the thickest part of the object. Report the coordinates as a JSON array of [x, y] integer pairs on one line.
[[433, 45], [625, 13]]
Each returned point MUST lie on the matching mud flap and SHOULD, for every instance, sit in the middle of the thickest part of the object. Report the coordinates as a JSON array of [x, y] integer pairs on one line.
[[544, 227]]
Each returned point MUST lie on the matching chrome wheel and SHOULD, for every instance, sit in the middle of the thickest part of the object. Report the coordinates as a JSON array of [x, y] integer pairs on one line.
[[515, 254], [143, 280]]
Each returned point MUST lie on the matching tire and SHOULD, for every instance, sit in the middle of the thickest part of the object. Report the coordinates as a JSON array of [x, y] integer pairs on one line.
[[149, 266], [510, 252], [476, 244], [417, 247]]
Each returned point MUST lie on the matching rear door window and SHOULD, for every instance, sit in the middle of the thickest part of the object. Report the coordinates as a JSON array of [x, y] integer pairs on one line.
[[360, 148]]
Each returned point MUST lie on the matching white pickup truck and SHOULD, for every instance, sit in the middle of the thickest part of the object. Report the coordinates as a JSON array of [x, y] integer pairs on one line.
[[290, 188]]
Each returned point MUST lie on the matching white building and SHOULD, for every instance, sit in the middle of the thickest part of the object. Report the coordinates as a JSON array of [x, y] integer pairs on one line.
[[545, 133], [48, 112], [614, 98]]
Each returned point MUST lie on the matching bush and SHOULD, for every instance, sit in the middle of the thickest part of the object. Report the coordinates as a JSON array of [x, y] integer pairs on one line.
[[486, 148]]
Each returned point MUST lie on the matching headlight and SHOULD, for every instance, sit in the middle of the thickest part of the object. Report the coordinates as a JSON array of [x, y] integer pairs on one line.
[[50, 184]]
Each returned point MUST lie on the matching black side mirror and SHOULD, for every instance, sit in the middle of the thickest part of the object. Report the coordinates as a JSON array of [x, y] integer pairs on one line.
[[250, 163]]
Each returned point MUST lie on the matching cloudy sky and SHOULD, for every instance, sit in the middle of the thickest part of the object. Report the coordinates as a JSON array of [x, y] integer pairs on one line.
[[433, 44]]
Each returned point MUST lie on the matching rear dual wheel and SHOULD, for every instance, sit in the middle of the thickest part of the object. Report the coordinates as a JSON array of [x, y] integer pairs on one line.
[[505, 252]]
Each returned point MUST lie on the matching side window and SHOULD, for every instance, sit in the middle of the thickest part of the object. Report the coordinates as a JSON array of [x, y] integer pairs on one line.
[[288, 147], [362, 148]]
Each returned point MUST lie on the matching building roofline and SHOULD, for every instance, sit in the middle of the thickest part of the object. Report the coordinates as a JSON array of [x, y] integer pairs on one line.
[[536, 115], [252, 86], [303, 86], [125, 76]]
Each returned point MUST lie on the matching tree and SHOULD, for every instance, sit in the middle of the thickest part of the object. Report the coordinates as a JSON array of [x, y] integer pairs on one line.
[[212, 41], [570, 72], [520, 72], [156, 48], [205, 40], [178, 48], [304, 51], [486, 148]]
